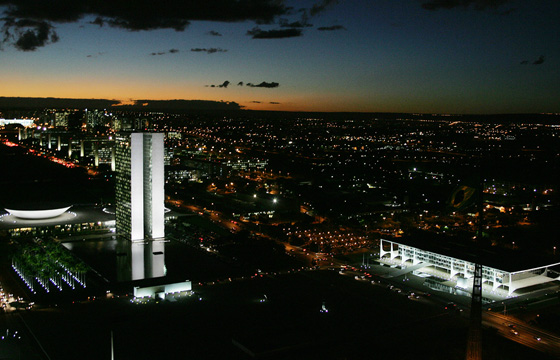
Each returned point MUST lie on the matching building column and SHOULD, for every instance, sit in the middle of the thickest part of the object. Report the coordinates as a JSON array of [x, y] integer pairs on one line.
[[508, 283], [96, 153], [82, 150], [453, 270], [415, 257], [58, 144], [113, 164], [393, 254], [49, 140], [70, 148], [495, 283], [381, 251]]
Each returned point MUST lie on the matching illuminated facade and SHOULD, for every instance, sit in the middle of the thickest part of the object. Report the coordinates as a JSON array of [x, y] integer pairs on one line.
[[23, 122], [38, 214], [140, 185], [515, 277]]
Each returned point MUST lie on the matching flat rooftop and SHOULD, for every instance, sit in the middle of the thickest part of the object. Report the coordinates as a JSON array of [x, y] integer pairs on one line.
[[494, 257]]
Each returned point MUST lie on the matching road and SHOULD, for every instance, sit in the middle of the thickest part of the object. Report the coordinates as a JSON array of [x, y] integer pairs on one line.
[[522, 333], [214, 215], [507, 326], [17, 340]]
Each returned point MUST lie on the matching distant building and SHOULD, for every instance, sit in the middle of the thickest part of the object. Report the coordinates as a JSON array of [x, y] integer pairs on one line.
[[61, 119], [247, 165], [95, 118], [22, 122], [178, 174], [140, 185]]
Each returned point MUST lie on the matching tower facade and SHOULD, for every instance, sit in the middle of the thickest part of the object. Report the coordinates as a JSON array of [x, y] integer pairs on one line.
[[140, 185]]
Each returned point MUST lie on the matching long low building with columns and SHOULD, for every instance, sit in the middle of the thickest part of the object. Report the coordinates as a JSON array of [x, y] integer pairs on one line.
[[505, 271]]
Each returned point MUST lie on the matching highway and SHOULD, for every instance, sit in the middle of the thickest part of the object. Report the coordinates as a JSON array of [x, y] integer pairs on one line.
[[522, 333]]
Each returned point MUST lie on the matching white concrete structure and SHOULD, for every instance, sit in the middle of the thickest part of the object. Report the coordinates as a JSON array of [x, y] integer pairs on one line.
[[38, 214], [140, 185], [461, 270], [162, 290]]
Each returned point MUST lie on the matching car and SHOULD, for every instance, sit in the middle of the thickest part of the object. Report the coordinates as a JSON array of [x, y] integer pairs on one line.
[[537, 338], [451, 306], [412, 295], [514, 332]]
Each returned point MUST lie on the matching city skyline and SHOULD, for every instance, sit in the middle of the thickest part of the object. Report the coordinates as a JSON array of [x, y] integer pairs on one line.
[[277, 223], [413, 56]]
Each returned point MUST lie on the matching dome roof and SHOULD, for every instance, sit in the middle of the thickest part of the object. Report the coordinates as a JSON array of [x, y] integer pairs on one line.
[[38, 214]]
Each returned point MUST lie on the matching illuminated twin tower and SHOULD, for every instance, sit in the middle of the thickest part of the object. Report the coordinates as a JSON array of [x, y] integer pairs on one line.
[[140, 185]]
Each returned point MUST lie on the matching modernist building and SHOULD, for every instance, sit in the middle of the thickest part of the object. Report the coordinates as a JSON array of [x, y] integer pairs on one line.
[[38, 214], [140, 185], [506, 271]]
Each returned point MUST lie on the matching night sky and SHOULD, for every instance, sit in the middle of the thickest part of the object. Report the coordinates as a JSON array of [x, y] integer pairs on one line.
[[444, 56]]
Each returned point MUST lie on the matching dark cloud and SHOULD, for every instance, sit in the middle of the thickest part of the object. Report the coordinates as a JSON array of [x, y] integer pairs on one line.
[[539, 61], [303, 22], [170, 51], [294, 24], [98, 21], [264, 84], [257, 33], [274, 103], [225, 84], [95, 55], [133, 16], [476, 4], [214, 33], [320, 7], [138, 24], [524, 62], [256, 102], [135, 105], [209, 50], [27, 34], [306, 14], [331, 28]]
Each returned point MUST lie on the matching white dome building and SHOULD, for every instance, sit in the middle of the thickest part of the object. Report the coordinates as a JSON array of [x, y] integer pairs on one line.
[[38, 214]]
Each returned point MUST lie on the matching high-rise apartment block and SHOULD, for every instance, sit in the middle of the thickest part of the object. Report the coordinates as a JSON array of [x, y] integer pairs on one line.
[[140, 185]]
